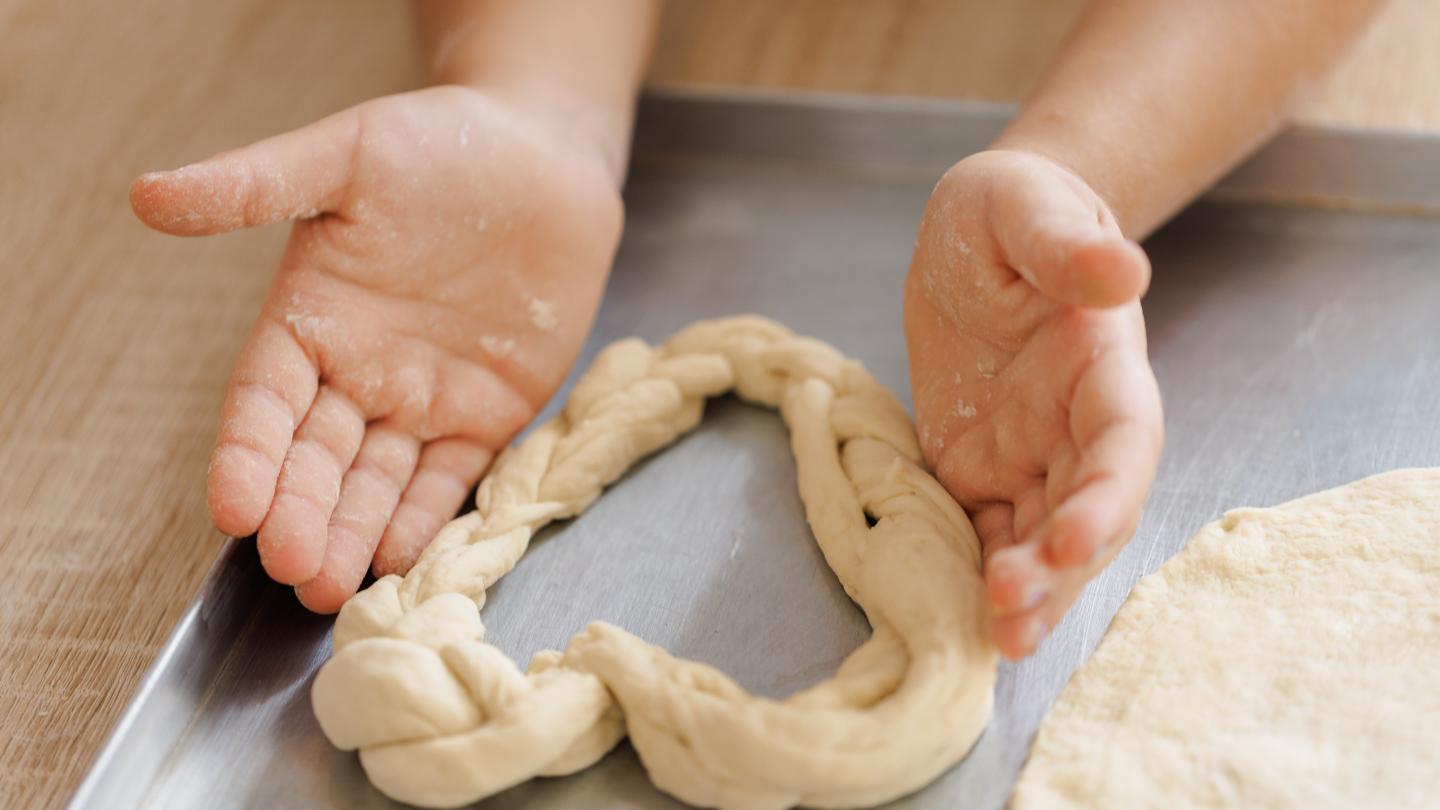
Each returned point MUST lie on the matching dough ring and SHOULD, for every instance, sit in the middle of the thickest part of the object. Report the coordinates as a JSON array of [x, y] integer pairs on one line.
[[442, 719]]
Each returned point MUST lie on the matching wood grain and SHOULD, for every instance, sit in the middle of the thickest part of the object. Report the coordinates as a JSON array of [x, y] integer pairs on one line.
[[999, 51], [115, 343]]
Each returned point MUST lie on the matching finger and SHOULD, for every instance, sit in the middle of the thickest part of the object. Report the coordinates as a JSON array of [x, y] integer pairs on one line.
[[297, 174], [1018, 635], [1017, 579], [1094, 520], [1057, 234], [448, 468], [1084, 269], [292, 538], [1031, 591], [1116, 421], [270, 390], [1031, 509], [995, 526], [368, 496]]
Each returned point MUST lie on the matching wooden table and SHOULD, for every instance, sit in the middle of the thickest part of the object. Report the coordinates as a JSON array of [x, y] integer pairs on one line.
[[115, 343]]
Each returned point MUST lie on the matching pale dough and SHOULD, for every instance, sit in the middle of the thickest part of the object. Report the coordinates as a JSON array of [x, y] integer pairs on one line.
[[441, 718], [1287, 657]]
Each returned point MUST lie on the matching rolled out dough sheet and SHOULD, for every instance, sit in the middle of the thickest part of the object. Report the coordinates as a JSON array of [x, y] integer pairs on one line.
[[1287, 657]]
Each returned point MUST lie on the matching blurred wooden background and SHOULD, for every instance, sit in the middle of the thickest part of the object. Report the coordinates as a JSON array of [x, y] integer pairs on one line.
[[115, 343], [998, 50]]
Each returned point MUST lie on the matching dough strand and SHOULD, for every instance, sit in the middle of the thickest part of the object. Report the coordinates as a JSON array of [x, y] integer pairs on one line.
[[441, 718]]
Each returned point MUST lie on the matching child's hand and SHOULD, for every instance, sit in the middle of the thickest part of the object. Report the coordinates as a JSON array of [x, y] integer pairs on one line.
[[1036, 404], [447, 264]]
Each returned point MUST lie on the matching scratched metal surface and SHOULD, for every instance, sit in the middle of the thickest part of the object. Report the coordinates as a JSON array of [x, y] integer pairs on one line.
[[1296, 349]]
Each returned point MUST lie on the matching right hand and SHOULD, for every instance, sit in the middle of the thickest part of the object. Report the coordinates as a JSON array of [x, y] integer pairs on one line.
[[446, 265], [1035, 401]]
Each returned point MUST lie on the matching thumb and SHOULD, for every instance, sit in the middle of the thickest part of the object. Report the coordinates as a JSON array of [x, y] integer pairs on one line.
[[297, 174], [1059, 236]]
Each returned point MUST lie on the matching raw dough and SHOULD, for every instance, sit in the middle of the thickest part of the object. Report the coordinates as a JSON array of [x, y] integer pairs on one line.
[[442, 718], [1287, 657]]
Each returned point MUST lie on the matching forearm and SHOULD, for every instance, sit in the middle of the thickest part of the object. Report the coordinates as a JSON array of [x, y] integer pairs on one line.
[[1151, 102], [579, 64]]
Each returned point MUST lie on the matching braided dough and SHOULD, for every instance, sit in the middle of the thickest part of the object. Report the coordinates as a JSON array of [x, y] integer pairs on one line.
[[1286, 658], [441, 718]]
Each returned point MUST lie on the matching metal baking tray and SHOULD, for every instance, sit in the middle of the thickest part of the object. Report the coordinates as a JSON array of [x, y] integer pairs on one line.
[[1297, 347]]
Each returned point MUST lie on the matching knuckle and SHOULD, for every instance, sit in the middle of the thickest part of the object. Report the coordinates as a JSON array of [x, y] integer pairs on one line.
[[391, 459]]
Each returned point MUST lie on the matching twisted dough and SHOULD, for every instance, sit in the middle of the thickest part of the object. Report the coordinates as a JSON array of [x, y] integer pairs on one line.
[[441, 718]]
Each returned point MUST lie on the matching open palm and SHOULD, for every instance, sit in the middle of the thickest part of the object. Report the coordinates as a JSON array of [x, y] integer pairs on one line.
[[446, 266], [1033, 394]]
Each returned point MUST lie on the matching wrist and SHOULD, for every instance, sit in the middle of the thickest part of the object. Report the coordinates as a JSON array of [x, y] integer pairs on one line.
[[574, 67], [595, 130], [1054, 151]]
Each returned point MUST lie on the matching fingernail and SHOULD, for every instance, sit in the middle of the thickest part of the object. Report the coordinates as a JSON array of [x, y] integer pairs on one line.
[[1034, 594]]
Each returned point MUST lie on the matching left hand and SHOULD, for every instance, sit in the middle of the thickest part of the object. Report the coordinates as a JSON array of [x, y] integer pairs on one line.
[[1034, 397], [451, 259]]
